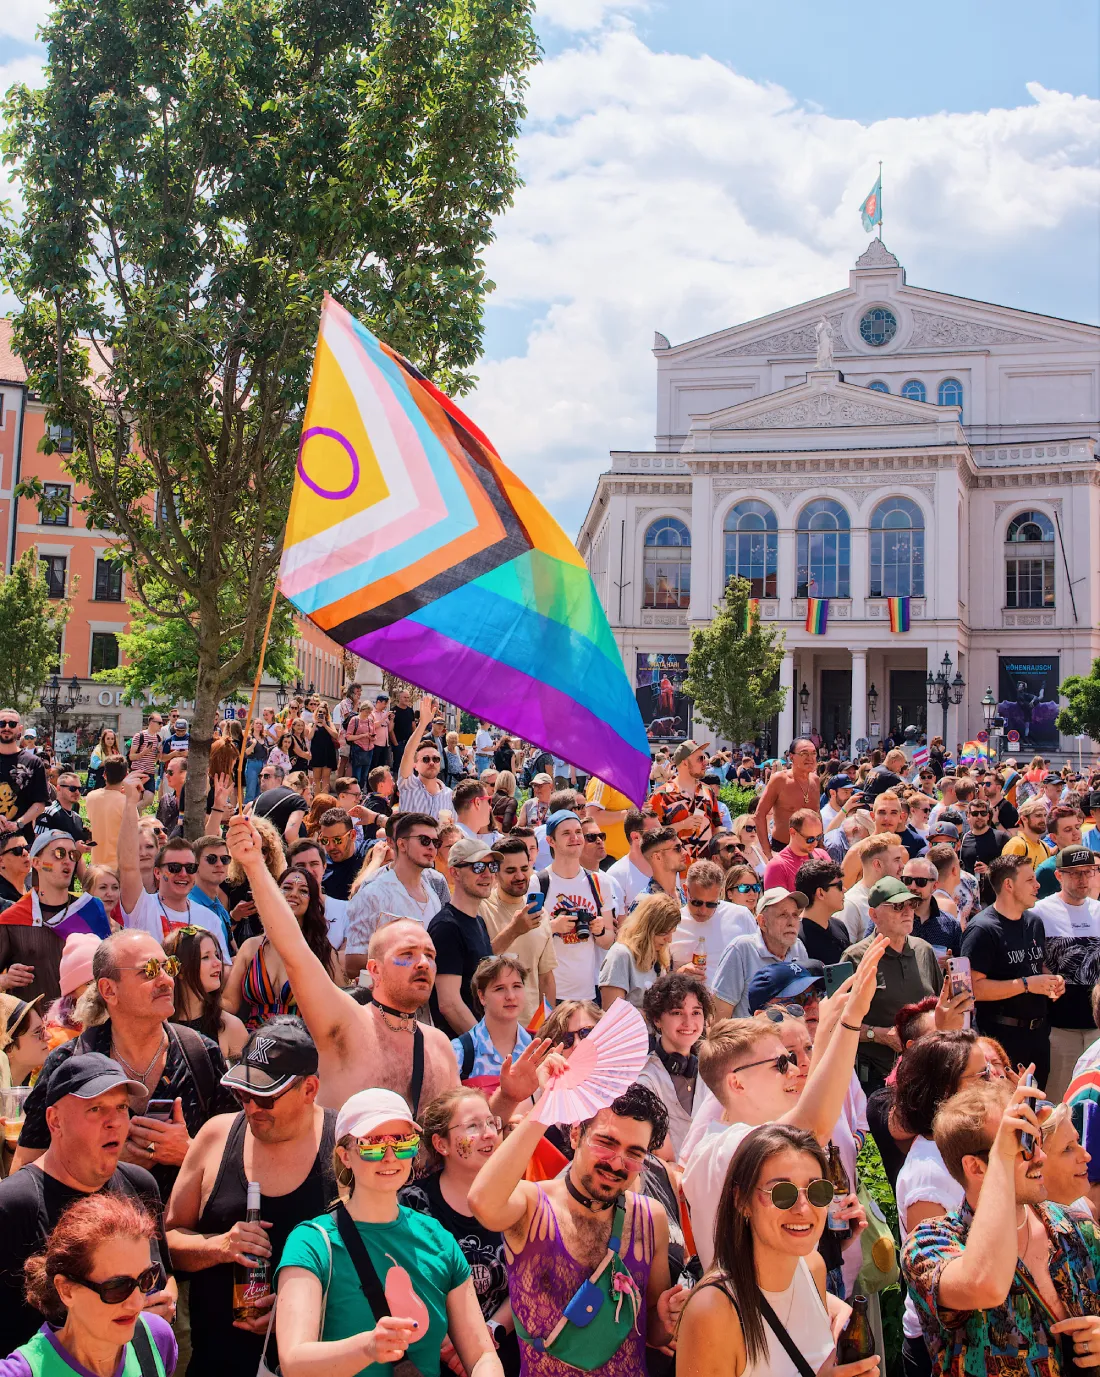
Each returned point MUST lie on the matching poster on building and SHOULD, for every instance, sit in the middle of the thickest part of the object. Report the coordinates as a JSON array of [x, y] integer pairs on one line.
[[665, 709], [1028, 694]]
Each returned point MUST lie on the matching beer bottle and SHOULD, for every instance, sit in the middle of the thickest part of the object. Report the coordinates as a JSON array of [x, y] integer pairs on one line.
[[699, 957], [841, 1189], [856, 1341], [250, 1284]]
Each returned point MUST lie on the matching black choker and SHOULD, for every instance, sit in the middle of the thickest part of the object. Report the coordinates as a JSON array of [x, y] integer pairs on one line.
[[406, 1021], [587, 1201]]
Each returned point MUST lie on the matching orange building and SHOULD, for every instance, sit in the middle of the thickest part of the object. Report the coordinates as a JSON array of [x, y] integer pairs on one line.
[[75, 565]]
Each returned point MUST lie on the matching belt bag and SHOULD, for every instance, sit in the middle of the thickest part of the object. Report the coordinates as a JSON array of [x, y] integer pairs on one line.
[[600, 1315]]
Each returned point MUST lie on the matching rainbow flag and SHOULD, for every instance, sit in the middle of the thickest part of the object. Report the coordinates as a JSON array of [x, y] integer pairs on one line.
[[541, 1014], [817, 615], [899, 614], [752, 614], [409, 542]]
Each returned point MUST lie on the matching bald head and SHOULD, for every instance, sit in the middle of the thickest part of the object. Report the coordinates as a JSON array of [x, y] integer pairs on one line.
[[384, 939]]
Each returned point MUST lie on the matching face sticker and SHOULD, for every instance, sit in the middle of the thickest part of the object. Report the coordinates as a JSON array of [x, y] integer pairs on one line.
[[464, 1147]]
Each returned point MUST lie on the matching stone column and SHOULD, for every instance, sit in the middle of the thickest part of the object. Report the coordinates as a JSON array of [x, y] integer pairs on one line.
[[703, 591], [789, 708], [859, 694]]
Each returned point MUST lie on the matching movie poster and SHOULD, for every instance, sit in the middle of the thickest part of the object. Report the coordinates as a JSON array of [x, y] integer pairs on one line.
[[1028, 693], [665, 709]]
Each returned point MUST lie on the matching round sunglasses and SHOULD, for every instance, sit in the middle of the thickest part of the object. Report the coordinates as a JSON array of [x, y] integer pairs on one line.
[[784, 1194], [115, 1290]]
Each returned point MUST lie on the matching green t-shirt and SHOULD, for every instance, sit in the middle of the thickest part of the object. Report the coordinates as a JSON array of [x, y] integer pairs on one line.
[[414, 1241]]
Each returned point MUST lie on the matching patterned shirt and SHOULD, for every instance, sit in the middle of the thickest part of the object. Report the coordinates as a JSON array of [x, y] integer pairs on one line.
[[669, 802], [1010, 1338], [414, 797], [486, 1060]]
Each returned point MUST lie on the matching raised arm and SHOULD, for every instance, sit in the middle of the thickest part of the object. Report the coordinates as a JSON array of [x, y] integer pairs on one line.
[[500, 1197], [327, 1015], [427, 712], [129, 872]]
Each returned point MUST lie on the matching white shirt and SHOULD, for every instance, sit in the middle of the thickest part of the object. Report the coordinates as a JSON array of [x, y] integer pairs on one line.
[[336, 916], [629, 879], [828, 814], [854, 913], [704, 1177], [152, 916], [483, 742], [579, 961], [377, 903], [729, 921], [1069, 920], [923, 1176], [805, 1318]]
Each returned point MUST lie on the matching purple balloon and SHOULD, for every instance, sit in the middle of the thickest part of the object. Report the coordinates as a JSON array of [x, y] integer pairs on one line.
[[343, 440]]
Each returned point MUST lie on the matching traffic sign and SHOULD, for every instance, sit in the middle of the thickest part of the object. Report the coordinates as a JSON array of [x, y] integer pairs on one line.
[[983, 737], [1014, 736]]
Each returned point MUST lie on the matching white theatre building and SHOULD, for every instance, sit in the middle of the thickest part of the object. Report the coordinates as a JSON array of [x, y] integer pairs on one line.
[[882, 441]]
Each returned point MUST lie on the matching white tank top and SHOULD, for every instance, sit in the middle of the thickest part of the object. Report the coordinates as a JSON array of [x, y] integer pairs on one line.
[[802, 1313]]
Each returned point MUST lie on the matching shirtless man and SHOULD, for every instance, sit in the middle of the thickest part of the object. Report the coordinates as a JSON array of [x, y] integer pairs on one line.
[[373, 1045], [787, 792]]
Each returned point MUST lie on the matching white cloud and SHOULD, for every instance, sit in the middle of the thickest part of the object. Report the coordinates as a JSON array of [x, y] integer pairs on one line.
[[669, 192], [21, 18], [583, 16]]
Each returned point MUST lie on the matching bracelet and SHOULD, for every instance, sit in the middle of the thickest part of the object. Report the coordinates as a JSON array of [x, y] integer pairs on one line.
[[1023, 982], [852, 1028]]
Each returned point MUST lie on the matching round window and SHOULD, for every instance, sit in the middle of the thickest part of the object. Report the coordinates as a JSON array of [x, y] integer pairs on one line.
[[878, 327]]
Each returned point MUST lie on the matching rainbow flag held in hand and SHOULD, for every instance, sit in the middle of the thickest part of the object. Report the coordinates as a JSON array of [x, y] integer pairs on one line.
[[539, 1017], [409, 542], [899, 614], [817, 615]]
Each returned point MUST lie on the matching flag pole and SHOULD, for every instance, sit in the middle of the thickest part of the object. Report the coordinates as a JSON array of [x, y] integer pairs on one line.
[[880, 200], [252, 703]]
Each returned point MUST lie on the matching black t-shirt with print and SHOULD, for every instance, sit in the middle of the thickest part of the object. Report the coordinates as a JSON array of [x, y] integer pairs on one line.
[[23, 782], [1006, 949], [985, 847]]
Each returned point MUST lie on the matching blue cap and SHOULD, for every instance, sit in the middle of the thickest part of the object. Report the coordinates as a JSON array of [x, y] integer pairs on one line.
[[839, 782], [562, 815], [783, 978]]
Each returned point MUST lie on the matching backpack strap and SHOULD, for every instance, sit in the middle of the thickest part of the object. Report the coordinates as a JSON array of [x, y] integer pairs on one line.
[[467, 1041], [416, 1085], [193, 1048], [143, 1347], [595, 888]]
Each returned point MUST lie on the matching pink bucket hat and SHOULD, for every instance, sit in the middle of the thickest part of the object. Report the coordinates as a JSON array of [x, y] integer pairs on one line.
[[76, 961]]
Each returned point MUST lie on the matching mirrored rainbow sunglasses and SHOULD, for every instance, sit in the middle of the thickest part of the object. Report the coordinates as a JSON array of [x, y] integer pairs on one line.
[[405, 1146]]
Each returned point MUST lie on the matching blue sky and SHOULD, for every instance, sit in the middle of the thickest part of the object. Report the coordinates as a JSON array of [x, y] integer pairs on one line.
[[691, 164]]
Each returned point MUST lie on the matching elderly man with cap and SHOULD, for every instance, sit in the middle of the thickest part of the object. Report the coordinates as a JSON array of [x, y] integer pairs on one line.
[[1071, 921], [685, 803], [461, 938], [33, 930], [941, 931], [908, 972], [789, 982], [88, 1108], [535, 811], [778, 914], [282, 1140]]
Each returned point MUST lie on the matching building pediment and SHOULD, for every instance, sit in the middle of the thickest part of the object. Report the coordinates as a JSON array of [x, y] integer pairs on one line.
[[823, 403]]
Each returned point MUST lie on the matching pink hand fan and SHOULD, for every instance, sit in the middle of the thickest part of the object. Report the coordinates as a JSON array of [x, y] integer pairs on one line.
[[600, 1068]]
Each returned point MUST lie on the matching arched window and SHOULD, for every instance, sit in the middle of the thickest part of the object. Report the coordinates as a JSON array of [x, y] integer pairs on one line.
[[1029, 561], [950, 393], [752, 547], [914, 390], [878, 386], [667, 564], [897, 549], [824, 550]]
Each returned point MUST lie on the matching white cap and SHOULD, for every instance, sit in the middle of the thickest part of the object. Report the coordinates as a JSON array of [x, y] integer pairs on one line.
[[366, 1110]]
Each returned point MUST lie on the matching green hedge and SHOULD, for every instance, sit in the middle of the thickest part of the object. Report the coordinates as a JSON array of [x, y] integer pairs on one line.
[[872, 1175], [737, 799]]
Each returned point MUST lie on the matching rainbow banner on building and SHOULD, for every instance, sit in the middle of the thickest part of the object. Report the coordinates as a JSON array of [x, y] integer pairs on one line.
[[899, 614], [752, 614], [817, 615], [409, 542]]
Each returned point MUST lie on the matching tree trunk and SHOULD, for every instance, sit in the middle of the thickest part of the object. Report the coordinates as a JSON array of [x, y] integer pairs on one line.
[[207, 695]]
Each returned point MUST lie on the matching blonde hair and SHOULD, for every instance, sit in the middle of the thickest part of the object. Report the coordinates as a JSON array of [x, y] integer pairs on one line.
[[452, 741], [653, 916], [727, 1042], [506, 783]]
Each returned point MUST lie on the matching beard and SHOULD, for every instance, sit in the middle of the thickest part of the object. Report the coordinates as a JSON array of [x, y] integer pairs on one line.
[[605, 1183]]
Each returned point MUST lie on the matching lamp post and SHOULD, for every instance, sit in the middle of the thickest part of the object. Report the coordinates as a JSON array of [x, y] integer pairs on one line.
[[281, 696], [989, 712], [872, 703], [944, 690], [55, 700], [804, 699]]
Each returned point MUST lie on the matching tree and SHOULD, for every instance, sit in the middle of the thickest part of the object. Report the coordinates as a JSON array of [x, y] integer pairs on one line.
[[732, 672], [31, 623], [1081, 715], [195, 177]]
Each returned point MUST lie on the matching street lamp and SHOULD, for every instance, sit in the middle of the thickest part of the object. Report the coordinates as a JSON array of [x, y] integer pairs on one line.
[[281, 696], [55, 701], [872, 701], [944, 690], [989, 712], [804, 699]]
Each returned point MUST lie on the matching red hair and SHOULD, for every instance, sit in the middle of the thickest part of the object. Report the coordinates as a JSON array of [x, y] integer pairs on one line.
[[71, 1247]]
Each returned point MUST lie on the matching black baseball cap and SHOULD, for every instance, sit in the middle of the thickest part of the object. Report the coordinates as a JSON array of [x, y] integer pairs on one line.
[[1073, 857], [1092, 801], [275, 1056], [1052, 778], [788, 978], [90, 1074]]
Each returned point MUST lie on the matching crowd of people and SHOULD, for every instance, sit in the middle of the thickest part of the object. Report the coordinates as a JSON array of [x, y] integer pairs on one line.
[[272, 1097]]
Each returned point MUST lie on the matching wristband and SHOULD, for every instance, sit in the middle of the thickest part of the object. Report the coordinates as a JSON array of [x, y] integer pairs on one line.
[[852, 1028], [1023, 981]]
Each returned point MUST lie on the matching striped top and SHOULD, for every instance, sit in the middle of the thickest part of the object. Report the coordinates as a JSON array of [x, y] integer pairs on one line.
[[414, 797]]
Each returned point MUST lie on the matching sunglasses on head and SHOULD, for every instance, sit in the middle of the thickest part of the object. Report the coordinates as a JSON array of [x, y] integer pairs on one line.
[[115, 1290], [177, 867], [749, 889], [404, 1146], [479, 867], [784, 1194], [150, 969], [568, 1039]]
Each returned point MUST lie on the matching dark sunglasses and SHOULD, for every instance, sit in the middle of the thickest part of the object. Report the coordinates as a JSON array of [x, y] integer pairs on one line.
[[479, 867], [749, 889], [335, 841], [594, 836], [712, 904], [811, 840], [16, 850], [175, 867], [429, 759], [115, 1290], [62, 853], [748, 827], [921, 883], [782, 1064], [776, 1013], [784, 1194], [9, 725], [214, 859], [568, 1039]]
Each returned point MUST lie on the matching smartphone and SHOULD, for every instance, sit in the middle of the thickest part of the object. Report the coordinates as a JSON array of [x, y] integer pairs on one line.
[[160, 1109], [836, 975], [960, 981], [1027, 1140], [535, 901]]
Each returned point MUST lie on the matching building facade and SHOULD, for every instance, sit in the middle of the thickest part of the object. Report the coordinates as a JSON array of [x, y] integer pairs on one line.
[[884, 441], [75, 563]]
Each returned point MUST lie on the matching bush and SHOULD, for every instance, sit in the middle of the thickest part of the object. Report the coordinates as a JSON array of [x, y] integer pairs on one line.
[[872, 1175], [738, 799]]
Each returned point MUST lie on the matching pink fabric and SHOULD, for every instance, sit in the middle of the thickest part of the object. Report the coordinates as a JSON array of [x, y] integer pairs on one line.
[[76, 961]]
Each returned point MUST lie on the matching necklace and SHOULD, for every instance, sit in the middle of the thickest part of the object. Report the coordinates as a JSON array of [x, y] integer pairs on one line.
[[406, 1022], [140, 1075]]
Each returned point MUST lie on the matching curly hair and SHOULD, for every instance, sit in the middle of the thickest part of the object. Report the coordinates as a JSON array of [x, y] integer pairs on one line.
[[639, 1102], [669, 992]]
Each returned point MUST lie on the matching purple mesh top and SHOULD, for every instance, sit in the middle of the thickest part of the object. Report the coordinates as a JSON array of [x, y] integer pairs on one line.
[[543, 1277]]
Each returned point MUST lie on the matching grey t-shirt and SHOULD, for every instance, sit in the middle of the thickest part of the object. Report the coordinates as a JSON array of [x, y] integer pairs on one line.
[[619, 970]]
